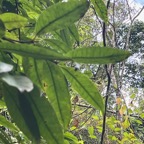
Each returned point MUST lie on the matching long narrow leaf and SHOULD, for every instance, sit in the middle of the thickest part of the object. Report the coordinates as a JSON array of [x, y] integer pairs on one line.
[[100, 9], [34, 115], [98, 55], [7, 124], [58, 45], [50, 78], [21, 112], [84, 87], [32, 51], [61, 15]]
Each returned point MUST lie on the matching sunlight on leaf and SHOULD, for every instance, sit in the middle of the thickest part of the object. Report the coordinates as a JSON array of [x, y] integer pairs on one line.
[[4, 67], [18, 81]]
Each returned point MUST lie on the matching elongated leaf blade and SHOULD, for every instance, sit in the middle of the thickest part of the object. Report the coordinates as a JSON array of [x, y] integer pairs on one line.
[[51, 79], [57, 90], [98, 55], [48, 123], [61, 15], [100, 9], [74, 33], [12, 20], [84, 87], [32, 51], [21, 112], [58, 45], [34, 115], [7, 124]]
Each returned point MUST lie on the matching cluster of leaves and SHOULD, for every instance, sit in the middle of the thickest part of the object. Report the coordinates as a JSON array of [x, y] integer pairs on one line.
[[39, 39]]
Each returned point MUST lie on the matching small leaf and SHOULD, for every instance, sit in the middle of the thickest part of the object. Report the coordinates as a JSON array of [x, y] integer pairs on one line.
[[61, 15], [7, 124], [84, 87], [91, 130], [126, 123], [12, 20], [32, 51], [18, 81], [4, 67], [99, 55], [101, 9], [70, 137]]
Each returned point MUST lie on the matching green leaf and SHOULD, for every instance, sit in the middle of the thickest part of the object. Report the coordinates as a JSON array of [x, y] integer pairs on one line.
[[98, 55], [2, 29], [18, 81], [65, 36], [34, 115], [53, 82], [32, 51], [70, 137], [100, 9], [58, 45], [4, 67], [61, 15], [91, 130], [12, 20], [74, 32], [84, 87], [57, 91], [7, 124], [21, 112]]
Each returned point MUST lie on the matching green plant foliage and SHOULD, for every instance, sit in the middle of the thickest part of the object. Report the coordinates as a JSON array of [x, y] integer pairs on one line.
[[39, 43], [58, 45], [74, 32], [84, 87], [98, 55], [34, 115], [60, 15], [7, 124], [12, 20], [100, 9], [53, 82], [32, 51]]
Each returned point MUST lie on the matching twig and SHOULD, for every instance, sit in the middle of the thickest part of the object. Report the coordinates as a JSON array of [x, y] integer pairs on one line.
[[109, 81]]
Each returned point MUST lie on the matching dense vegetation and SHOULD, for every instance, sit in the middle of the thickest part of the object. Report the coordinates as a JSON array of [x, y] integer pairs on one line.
[[62, 69]]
